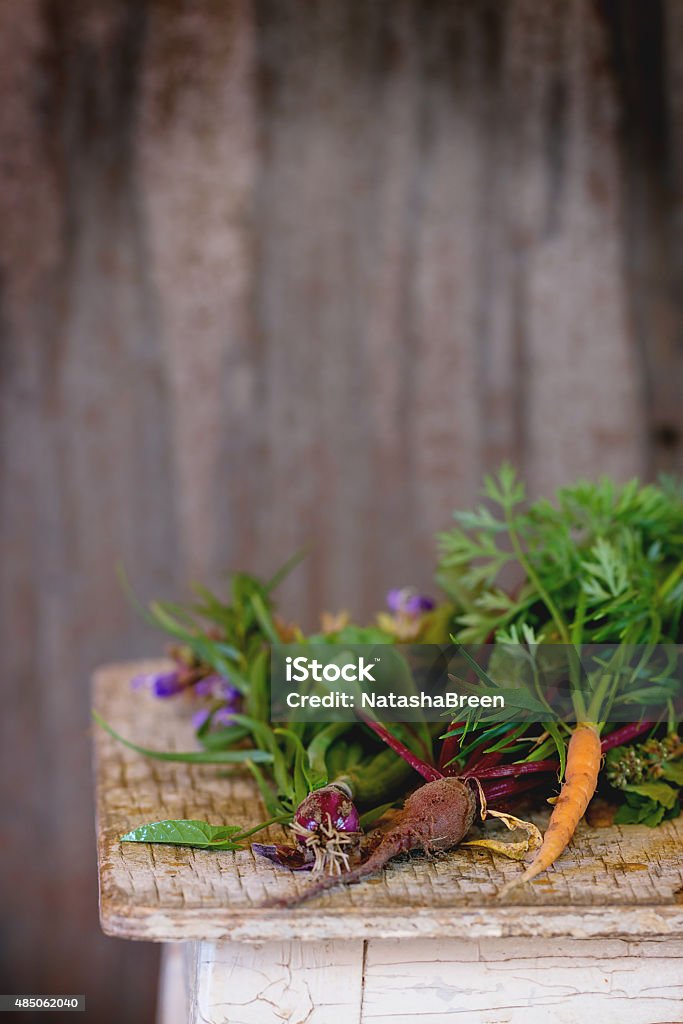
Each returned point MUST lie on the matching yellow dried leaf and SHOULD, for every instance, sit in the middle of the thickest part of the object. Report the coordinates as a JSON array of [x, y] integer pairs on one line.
[[516, 850]]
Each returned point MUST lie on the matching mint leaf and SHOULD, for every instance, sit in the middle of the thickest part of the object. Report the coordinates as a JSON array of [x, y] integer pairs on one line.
[[654, 817], [659, 792], [630, 814], [198, 834], [673, 812], [640, 811]]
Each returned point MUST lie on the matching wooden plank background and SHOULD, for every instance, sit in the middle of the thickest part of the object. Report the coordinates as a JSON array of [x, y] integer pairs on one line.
[[276, 271]]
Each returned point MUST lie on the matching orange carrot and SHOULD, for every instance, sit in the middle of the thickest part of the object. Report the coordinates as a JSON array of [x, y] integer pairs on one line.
[[580, 780]]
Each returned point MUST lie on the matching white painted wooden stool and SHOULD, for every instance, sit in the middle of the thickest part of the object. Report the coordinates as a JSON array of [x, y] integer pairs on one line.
[[601, 936]]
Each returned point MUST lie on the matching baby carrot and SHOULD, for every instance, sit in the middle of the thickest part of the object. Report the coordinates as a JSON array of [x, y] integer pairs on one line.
[[580, 780]]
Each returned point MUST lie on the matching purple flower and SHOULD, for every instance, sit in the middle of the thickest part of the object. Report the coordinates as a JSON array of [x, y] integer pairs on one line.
[[226, 715], [217, 687], [418, 604], [222, 717], [199, 718], [229, 693], [160, 684], [204, 687], [407, 601]]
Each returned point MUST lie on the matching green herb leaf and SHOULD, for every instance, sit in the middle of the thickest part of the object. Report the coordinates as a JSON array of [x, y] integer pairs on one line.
[[270, 801], [220, 739], [264, 619], [600, 564], [192, 756], [673, 771], [661, 792], [258, 698], [320, 744], [303, 777], [285, 570], [645, 813], [370, 817], [560, 744], [265, 738], [198, 834]]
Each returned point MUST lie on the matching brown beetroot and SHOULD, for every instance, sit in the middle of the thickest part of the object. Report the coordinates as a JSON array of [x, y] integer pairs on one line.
[[436, 817]]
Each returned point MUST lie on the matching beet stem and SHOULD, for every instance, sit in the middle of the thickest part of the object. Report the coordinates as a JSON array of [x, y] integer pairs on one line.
[[427, 771], [624, 734], [509, 787], [500, 770]]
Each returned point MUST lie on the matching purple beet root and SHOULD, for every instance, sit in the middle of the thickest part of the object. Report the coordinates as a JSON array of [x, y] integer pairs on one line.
[[327, 825], [434, 818], [330, 806], [327, 831]]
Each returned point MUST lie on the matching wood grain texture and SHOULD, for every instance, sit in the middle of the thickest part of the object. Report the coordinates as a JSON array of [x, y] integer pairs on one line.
[[613, 881], [280, 272]]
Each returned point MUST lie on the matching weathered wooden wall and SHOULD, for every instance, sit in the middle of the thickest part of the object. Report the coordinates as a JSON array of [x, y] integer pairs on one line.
[[282, 270]]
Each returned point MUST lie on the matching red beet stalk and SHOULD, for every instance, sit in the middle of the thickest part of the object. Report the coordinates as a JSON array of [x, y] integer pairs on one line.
[[500, 770], [449, 748], [427, 771], [508, 788], [625, 734]]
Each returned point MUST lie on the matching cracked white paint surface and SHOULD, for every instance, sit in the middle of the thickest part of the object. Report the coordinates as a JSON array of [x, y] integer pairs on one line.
[[487, 981], [312, 982]]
